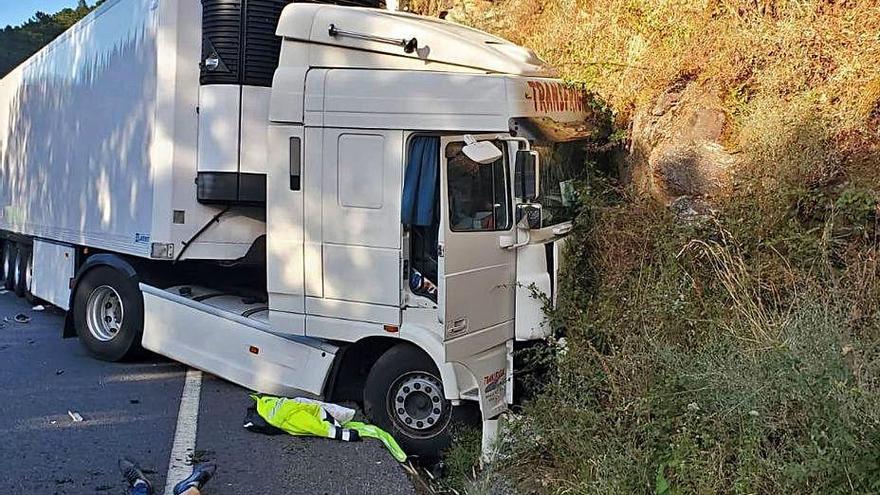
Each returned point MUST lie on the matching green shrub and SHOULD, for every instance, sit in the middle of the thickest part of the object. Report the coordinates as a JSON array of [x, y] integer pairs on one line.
[[722, 355]]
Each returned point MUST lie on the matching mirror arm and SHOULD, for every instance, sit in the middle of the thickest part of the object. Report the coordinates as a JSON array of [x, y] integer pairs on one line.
[[509, 242], [537, 175], [525, 142]]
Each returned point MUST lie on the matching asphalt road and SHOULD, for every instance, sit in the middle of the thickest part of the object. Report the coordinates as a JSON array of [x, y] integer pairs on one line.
[[131, 409]]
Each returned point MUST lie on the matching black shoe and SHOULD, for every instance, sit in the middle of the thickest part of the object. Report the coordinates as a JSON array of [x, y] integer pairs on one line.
[[134, 476], [201, 474]]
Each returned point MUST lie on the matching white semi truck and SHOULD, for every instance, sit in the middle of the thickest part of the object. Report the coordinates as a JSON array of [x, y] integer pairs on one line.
[[304, 199]]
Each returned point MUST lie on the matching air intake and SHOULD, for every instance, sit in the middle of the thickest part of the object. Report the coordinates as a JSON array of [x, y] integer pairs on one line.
[[221, 42]]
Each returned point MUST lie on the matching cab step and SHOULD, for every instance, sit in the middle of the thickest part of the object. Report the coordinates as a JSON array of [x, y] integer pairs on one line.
[[231, 338]]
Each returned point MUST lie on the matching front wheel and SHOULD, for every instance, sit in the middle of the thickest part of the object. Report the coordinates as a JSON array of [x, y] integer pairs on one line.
[[404, 396], [108, 312]]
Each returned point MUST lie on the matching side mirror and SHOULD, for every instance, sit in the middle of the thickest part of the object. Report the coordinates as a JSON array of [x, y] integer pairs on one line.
[[529, 216], [527, 175], [482, 152]]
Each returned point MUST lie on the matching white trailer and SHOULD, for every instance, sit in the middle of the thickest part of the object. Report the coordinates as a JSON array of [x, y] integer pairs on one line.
[[261, 191]]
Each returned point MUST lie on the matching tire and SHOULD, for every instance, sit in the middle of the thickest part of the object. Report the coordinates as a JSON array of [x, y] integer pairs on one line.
[[108, 313], [29, 278], [8, 265], [21, 266], [402, 395]]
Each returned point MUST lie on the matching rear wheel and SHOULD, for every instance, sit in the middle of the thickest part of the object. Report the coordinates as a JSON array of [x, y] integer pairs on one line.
[[21, 267], [108, 312], [29, 278], [404, 396]]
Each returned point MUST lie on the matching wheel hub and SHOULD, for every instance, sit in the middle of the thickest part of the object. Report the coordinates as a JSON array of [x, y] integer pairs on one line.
[[104, 313], [418, 401]]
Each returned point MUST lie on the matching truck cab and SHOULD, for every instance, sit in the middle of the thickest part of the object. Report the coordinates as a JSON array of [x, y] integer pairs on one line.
[[384, 218]]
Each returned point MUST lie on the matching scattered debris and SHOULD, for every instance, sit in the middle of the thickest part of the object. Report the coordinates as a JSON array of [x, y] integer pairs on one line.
[[75, 416], [22, 318], [39, 307]]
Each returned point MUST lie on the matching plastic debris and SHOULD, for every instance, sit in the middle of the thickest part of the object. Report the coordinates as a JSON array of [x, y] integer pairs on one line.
[[75, 416], [59, 372], [39, 307], [22, 318]]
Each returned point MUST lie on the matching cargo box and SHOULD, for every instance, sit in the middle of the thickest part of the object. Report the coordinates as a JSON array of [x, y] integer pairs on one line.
[[99, 138]]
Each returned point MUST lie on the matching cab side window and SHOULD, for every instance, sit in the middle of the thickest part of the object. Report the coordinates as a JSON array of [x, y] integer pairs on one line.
[[478, 194]]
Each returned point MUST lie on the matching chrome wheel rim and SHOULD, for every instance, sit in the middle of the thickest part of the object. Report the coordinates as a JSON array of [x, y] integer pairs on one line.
[[28, 274], [416, 403], [104, 313], [17, 269], [7, 263]]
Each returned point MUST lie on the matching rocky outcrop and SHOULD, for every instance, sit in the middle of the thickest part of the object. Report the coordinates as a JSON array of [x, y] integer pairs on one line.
[[676, 146]]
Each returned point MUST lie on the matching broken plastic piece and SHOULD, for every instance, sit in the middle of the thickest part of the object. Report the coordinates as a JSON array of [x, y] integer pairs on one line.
[[75, 416], [22, 318], [39, 307]]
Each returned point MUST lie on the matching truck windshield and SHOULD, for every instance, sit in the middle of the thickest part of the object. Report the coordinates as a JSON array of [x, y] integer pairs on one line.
[[561, 165]]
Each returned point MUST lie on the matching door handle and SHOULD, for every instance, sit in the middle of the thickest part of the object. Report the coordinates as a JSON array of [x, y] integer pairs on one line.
[[457, 326], [295, 164]]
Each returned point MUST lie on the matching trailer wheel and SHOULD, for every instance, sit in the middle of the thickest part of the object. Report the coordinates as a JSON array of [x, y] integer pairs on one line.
[[29, 279], [21, 266], [8, 265], [108, 313], [404, 396]]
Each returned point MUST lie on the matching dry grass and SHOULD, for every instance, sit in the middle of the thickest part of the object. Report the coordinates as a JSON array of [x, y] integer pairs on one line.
[[755, 321]]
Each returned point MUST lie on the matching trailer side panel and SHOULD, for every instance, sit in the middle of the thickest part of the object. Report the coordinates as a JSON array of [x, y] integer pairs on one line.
[[79, 120]]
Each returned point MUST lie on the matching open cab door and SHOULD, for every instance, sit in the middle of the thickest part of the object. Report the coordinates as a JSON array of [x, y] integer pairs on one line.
[[477, 289]]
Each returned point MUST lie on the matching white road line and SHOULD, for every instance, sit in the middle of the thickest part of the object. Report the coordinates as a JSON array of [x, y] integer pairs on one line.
[[185, 434]]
